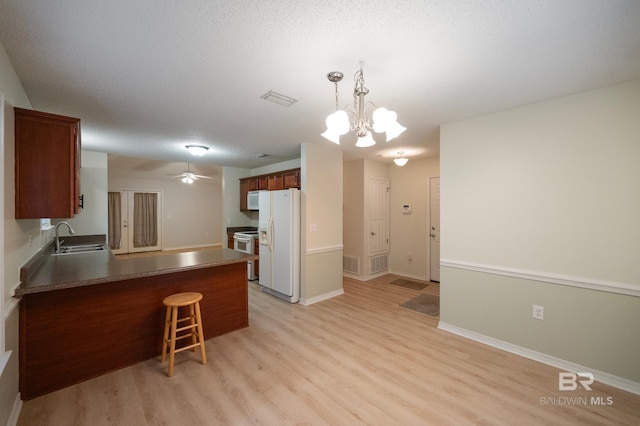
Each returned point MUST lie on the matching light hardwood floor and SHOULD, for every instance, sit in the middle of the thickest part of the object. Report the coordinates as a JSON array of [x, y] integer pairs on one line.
[[355, 359]]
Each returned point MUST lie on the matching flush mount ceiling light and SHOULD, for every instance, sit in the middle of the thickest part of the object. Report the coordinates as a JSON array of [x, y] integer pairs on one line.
[[400, 160], [361, 117], [197, 150]]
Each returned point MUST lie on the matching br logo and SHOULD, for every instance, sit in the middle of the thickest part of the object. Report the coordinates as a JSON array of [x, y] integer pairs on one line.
[[571, 381]]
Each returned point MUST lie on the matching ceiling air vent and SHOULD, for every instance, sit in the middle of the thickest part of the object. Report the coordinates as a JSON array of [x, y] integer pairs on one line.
[[260, 155], [278, 98]]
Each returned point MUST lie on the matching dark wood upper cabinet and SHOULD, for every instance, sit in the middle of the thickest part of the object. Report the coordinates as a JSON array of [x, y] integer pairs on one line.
[[47, 165], [270, 182], [291, 179]]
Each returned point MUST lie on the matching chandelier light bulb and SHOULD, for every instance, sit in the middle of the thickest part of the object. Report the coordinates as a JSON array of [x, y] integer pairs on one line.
[[332, 136], [380, 119], [365, 140], [337, 125], [394, 129], [338, 122]]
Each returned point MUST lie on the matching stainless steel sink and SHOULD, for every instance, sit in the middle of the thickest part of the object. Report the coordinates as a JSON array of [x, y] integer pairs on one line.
[[80, 248]]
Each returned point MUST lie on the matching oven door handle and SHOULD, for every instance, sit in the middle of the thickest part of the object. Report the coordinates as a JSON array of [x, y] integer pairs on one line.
[[243, 239]]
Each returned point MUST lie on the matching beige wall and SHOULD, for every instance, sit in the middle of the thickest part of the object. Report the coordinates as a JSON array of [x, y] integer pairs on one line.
[[17, 248], [191, 214], [540, 206], [353, 210], [410, 232], [92, 219], [231, 214], [321, 222]]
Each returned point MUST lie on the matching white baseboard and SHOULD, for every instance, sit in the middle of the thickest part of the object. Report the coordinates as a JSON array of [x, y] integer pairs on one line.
[[606, 378], [316, 299], [364, 277]]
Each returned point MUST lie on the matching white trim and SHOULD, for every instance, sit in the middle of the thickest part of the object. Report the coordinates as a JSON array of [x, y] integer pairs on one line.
[[4, 360], [324, 249], [316, 299], [365, 277], [606, 378], [2, 207], [581, 282], [10, 306], [15, 411]]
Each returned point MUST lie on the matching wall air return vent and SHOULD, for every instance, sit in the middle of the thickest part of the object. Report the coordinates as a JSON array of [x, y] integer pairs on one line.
[[378, 264], [278, 98], [351, 265]]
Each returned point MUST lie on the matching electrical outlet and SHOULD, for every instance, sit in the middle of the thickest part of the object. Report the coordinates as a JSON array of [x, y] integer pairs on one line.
[[30, 240], [538, 312]]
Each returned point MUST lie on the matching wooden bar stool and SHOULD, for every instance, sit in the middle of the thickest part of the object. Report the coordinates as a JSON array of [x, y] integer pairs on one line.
[[173, 326]]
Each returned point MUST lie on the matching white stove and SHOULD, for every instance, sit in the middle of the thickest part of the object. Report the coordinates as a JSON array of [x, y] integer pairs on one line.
[[244, 242]]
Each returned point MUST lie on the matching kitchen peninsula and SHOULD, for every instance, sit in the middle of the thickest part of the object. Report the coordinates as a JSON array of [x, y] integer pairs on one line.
[[84, 315]]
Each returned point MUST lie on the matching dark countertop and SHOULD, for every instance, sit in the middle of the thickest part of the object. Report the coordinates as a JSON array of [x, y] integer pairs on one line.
[[233, 229], [47, 273]]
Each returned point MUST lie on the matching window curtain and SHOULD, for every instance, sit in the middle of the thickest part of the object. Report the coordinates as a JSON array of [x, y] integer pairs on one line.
[[145, 223], [115, 220]]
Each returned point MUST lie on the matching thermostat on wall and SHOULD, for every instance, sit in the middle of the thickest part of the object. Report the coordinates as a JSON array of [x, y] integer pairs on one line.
[[406, 209]]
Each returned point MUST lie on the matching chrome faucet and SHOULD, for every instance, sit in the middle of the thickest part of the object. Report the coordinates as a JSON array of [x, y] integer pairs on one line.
[[71, 231]]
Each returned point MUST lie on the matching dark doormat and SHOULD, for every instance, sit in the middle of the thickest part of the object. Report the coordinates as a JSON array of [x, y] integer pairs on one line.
[[409, 284], [425, 304]]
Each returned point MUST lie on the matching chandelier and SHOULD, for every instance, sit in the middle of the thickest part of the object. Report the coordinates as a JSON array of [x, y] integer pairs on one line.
[[361, 116]]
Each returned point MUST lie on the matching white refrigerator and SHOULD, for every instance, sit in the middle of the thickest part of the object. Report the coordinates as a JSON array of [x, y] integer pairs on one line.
[[279, 243]]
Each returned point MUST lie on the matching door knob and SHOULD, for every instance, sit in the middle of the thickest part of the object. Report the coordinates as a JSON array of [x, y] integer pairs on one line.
[[433, 235], [373, 233]]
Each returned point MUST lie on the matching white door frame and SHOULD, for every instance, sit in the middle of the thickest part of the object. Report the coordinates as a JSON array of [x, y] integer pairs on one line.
[[434, 228]]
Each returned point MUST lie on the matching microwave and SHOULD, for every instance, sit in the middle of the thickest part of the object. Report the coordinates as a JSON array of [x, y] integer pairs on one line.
[[253, 200]]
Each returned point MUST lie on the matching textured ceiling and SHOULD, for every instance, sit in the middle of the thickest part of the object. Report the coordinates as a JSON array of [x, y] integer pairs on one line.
[[149, 76]]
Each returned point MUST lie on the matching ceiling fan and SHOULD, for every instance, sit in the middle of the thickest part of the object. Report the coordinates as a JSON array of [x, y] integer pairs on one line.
[[188, 176]]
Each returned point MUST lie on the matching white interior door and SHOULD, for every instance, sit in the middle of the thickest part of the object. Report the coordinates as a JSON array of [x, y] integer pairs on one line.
[[378, 216], [140, 221], [434, 229]]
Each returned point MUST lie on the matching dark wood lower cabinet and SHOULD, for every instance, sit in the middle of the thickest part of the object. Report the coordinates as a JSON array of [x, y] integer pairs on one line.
[[68, 336]]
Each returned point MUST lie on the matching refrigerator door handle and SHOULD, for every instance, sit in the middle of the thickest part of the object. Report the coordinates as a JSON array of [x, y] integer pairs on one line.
[[270, 234]]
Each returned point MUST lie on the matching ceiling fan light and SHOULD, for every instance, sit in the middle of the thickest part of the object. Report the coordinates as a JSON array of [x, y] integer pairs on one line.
[[365, 140], [197, 150]]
